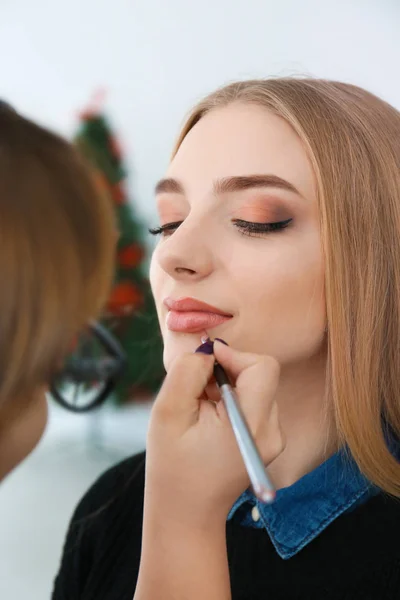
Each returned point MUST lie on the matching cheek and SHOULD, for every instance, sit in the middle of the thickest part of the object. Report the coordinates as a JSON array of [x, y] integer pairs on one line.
[[21, 429], [283, 297], [295, 279], [297, 290], [37, 422], [156, 279], [33, 423]]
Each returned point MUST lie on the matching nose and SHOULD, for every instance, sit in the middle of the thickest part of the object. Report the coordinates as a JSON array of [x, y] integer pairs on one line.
[[186, 255]]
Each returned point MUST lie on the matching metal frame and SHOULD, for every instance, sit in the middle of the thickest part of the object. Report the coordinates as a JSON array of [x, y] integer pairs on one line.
[[117, 354]]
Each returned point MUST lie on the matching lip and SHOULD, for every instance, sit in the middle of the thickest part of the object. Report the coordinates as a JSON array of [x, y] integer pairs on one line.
[[188, 315], [191, 304]]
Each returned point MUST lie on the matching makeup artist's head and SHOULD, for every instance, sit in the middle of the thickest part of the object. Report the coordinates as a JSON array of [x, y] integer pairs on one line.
[[57, 239], [281, 209]]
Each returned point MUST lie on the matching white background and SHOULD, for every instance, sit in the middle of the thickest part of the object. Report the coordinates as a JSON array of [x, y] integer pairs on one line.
[[155, 58]]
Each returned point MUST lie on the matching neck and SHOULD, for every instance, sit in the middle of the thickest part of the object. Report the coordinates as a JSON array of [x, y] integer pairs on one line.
[[305, 421]]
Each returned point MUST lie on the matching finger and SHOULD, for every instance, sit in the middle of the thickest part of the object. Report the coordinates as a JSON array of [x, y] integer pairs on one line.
[[234, 361], [184, 384], [212, 391], [270, 438], [256, 379]]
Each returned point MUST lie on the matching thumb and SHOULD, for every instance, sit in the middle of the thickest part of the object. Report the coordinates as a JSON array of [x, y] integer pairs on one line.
[[184, 384]]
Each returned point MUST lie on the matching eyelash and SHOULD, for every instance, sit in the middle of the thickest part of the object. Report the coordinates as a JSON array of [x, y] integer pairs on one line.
[[165, 228], [245, 227]]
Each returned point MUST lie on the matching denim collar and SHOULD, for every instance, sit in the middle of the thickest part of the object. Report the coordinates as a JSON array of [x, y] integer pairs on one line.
[[303, 510]]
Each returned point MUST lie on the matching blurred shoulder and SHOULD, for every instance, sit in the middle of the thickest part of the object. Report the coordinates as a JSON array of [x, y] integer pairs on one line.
[[123, 481], [104, 535]]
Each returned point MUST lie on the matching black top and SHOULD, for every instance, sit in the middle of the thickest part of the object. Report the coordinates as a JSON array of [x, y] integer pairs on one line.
[[356, 558]]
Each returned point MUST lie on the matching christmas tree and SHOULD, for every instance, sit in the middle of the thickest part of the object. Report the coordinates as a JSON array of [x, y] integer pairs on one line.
[[130, 313]]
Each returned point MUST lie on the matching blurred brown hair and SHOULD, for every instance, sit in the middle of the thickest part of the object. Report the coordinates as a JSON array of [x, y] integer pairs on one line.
[[57, 240], [353, 141]]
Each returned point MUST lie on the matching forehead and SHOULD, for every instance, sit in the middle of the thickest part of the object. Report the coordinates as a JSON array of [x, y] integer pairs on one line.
[[242, 139]]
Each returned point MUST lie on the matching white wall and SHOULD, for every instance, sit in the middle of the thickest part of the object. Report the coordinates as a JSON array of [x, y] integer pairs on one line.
[[156, 57]]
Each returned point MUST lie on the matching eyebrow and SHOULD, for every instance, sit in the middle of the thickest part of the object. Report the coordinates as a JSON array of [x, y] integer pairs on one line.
[[230, 184]]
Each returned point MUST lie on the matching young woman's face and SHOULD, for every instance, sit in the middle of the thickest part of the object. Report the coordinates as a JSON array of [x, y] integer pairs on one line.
[[239, 170]]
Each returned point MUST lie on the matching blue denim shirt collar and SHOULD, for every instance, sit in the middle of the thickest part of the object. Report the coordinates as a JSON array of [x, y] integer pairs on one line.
[[303, 510]]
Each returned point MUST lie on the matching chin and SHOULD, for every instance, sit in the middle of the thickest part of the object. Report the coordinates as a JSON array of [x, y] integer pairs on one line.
[[176, 344]]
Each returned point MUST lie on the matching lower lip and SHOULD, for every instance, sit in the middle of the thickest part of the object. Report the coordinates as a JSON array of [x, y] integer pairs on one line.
[[193, 321]]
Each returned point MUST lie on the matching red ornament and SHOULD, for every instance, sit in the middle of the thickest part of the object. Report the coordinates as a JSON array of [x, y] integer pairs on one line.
[[118, 193], [115, 148], [95, 106], [130, 256], [125, 298]]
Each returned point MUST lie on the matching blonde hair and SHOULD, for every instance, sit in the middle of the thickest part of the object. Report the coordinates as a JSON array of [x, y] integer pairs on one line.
[[353, 141], [57, 240]]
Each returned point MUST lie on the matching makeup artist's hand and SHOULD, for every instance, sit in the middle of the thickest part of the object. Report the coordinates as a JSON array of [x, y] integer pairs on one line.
[[194, 468]]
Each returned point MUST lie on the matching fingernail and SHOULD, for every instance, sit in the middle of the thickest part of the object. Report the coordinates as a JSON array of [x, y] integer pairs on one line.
[[206, 347], [222, 341]]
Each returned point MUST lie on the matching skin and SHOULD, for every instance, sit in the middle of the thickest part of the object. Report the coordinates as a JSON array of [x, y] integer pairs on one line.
[[22, 424]]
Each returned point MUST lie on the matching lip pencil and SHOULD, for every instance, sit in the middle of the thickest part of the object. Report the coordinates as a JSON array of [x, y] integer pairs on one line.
[[261, 483]]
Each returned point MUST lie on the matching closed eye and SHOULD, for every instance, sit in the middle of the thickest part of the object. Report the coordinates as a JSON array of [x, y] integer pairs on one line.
[[164, 229], [250, 228], [245, 227]]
